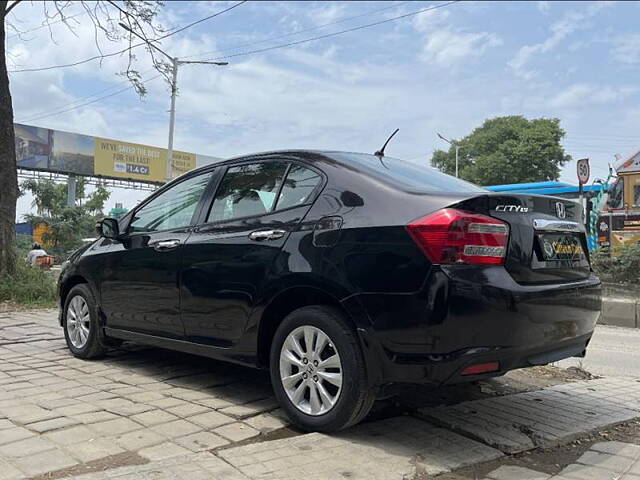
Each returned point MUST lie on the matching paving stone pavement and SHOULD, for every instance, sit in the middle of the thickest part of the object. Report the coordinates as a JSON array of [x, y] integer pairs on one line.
[[603, 461], [183, 415], [200, 466], [547, 417], [57, 411], [394, 448]]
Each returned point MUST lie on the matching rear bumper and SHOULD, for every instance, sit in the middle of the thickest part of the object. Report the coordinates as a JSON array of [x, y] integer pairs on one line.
[[466, 316], [449, 371]]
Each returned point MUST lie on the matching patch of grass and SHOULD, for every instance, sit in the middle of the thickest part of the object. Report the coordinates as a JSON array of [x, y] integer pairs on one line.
[[29, 286], [623, 268]]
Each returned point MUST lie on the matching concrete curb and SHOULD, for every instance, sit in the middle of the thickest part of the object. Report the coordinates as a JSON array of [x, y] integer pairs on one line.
[[620, 312]]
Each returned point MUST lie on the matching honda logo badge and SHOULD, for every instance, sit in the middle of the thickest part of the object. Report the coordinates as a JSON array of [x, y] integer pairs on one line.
[[560, 210]]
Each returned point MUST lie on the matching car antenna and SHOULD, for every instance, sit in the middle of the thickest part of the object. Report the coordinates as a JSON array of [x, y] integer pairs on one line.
[[380, 153]]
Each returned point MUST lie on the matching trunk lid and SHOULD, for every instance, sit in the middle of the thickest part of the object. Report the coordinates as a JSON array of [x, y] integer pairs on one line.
[[547, 241]]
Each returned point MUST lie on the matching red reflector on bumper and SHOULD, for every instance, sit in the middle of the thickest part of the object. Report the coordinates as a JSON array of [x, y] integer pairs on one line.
[[481, 368]]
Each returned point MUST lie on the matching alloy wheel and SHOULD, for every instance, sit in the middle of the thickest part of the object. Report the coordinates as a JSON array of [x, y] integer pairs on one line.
[[310, 370], [78, 321]]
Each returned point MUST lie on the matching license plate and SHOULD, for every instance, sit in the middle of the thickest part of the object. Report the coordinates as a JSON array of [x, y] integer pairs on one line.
[[561, 246]]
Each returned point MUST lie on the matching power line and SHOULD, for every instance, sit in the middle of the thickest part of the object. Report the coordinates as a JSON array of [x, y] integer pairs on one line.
[[45, 113], [630, 138], [112, 54], [276, 47], [203, 19], [298, 32], [18, 33], [341, 20], [90, 102], [328, 35], [56, 111], [601, 134]]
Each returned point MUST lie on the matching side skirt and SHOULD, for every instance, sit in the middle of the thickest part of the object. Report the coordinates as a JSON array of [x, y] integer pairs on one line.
[[209, 351]]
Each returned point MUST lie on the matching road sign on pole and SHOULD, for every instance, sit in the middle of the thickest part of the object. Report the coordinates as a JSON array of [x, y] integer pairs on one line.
[[584, 170]]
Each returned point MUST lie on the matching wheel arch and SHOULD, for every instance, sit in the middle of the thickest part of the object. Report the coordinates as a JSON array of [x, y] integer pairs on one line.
[[65, 287], [285, 302]]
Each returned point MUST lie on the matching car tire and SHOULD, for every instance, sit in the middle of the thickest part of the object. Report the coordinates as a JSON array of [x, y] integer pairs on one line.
[[80, 324], [336, 407]]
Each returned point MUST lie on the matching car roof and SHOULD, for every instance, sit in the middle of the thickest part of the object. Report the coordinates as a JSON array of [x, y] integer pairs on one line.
[[304, 154]]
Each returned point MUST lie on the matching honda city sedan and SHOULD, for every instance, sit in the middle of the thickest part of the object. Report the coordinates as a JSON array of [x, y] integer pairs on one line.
[[340, 273]]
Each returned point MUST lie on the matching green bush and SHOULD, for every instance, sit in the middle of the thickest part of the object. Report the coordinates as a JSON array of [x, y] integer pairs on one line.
[[621, 268], [23, 244], [29, 286]]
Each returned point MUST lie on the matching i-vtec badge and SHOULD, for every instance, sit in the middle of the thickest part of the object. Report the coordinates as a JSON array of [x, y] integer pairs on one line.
[[512, 208]]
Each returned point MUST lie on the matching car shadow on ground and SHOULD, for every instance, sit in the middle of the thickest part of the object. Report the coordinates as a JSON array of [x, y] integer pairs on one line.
[[239, 385]]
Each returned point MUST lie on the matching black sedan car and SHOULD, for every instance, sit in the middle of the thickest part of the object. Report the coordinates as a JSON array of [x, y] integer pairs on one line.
[[341, 273]]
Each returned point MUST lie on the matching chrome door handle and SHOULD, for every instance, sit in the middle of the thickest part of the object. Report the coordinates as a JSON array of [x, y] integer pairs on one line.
[[165, 245], [260, 235]]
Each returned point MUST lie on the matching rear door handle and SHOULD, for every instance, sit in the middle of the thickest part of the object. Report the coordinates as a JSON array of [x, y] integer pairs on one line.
[[261, 235], [165, 245]]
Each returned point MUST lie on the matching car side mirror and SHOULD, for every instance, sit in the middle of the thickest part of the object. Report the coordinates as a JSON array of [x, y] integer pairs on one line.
[[108, 228]]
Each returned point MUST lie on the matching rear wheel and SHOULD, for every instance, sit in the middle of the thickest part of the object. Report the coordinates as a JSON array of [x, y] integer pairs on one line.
[[80, 323], [318, 371]]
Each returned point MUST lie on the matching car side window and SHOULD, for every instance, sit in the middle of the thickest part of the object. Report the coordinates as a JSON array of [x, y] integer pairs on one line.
[[298, 187], [173, 208], [247, 190]]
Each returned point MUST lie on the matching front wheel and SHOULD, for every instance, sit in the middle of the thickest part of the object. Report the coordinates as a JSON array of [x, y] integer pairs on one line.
[[80, 323], [318, 371]]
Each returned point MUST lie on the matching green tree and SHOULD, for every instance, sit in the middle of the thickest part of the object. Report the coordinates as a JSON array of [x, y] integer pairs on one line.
[[96, 200], [68, 224], [509, 149], [107, 18]]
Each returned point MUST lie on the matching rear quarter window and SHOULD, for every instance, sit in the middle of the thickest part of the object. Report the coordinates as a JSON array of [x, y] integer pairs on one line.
[[412, 175]]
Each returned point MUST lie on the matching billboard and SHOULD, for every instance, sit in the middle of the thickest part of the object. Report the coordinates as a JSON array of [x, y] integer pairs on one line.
[[49, 150]]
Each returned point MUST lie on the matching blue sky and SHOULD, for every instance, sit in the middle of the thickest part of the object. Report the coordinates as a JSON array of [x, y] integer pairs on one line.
[[445, 71]]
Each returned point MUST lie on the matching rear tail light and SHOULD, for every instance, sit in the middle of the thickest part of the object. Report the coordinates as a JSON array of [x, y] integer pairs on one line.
[[454, 236]]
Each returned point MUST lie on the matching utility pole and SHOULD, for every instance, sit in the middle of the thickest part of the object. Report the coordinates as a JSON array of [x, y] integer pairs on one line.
[[175, 62], [172, 119], [71, 191], [454, 144]]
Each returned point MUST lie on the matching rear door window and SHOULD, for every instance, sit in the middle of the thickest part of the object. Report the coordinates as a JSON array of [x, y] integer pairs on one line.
[[247, 190], [298, 187]]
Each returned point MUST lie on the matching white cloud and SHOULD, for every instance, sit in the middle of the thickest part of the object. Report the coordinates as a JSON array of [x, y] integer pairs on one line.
[[427, 21], [582, 94], [327, 13], [559, 31], [446, 47], [626, 48], [327, 95], [543, 6]]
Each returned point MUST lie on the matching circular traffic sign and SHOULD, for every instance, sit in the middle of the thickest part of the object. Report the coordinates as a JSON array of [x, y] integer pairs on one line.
[[584, 170]]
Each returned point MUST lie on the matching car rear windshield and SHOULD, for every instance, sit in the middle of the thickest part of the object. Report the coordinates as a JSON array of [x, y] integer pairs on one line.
[[412, 175]]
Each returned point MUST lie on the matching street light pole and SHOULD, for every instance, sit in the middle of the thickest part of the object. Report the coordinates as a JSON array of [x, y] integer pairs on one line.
[[453, 143], [172, 118], [174, 90], [172, 112]]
